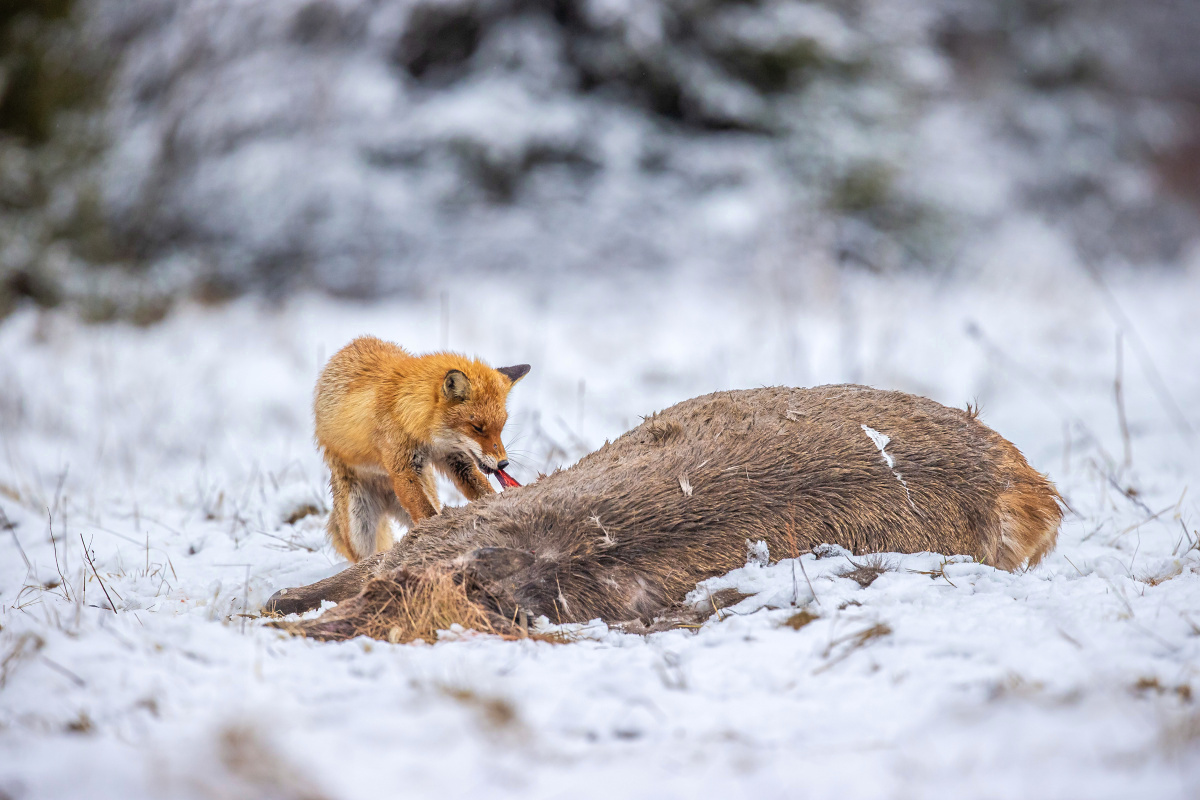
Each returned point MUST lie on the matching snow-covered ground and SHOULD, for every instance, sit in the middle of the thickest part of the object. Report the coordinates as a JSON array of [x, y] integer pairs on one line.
[[177, 454]]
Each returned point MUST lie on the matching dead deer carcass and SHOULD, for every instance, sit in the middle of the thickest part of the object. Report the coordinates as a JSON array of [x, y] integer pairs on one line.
[[625, 533]]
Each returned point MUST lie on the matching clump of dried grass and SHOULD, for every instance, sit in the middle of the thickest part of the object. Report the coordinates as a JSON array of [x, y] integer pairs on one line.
[[1151, 684], [864, 574], [408, 605], [497, 715], [403, 606], [257, 769], [1163, 575], [1180, 736], [300, 512], [23, 647], [800, 619]]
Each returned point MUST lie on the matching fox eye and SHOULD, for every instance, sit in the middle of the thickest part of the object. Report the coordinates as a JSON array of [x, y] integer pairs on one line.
[[478, 429]]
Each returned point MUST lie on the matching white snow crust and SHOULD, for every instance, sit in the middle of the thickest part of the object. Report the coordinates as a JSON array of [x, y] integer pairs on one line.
[[881, 442], [178, 454]]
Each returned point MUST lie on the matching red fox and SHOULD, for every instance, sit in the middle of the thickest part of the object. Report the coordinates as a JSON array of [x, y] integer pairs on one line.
[[386, 418]]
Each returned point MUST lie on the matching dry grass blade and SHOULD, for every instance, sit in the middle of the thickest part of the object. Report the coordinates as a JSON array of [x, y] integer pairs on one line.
[[57, 566], [1153, 516], [24, 646], [11, 527], [1119, 398], [852, 642], [937, 572], [804, 572], [288, 543], [92, 564], [1165, 397]]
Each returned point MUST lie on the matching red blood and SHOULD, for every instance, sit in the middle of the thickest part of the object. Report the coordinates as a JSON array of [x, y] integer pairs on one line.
[[506, 480]]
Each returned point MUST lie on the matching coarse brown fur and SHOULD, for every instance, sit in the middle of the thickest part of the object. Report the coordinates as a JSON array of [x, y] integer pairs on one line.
[[629, 530], [385, 419]]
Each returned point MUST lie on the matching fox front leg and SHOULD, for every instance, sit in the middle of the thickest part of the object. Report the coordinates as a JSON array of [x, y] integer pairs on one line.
[[461, 469], [413, 484]]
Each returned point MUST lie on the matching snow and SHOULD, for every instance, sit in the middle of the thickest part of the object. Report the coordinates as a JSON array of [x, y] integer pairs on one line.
[[880, 441], [179, 453]]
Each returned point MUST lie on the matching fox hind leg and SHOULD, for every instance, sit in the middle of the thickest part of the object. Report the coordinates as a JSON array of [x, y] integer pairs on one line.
[[390, 508], [366, 518], [341, 479]]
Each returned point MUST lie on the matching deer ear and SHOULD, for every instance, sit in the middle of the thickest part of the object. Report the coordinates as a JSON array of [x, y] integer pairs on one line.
[[456, 387], [514, 374]]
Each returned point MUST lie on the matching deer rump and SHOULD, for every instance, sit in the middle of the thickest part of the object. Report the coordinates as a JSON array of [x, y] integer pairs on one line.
[[628, 531]]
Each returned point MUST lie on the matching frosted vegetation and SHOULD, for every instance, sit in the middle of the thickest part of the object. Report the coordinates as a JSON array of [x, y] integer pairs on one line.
[[181, 457], [363, 147], [986, 202]]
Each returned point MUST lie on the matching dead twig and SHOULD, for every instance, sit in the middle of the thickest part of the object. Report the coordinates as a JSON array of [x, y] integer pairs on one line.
[[245, 598], [1185, 535], [1128, 494], [1119, 397], [92, 564], [54, 547], [1041, 385], [287, 543], [1165, 398], [940, 572], [853, 642], [716, 610], [1153, 516], [804, 572], [11, 527], [75, 679]]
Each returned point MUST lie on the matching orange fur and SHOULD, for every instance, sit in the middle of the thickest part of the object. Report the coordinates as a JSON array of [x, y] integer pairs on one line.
[[386, 418]]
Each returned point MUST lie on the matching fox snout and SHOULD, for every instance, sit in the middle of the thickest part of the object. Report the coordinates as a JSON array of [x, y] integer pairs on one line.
[[489, 464], [491, 456], [489, 468]]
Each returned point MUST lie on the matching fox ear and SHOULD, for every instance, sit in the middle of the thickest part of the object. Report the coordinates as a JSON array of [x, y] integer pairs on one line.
[[514, 374], [456, 387]]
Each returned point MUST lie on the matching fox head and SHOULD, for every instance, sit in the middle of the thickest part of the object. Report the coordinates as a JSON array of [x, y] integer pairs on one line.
[[474, 411]]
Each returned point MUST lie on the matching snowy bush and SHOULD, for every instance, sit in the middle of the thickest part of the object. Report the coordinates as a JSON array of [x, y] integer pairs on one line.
[[372, 147]]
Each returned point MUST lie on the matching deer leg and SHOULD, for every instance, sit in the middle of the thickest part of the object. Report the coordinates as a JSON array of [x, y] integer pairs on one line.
[[346, 584]]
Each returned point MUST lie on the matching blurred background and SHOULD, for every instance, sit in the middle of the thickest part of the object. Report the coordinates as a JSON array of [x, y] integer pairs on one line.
[[162, 150], [995, 200]]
